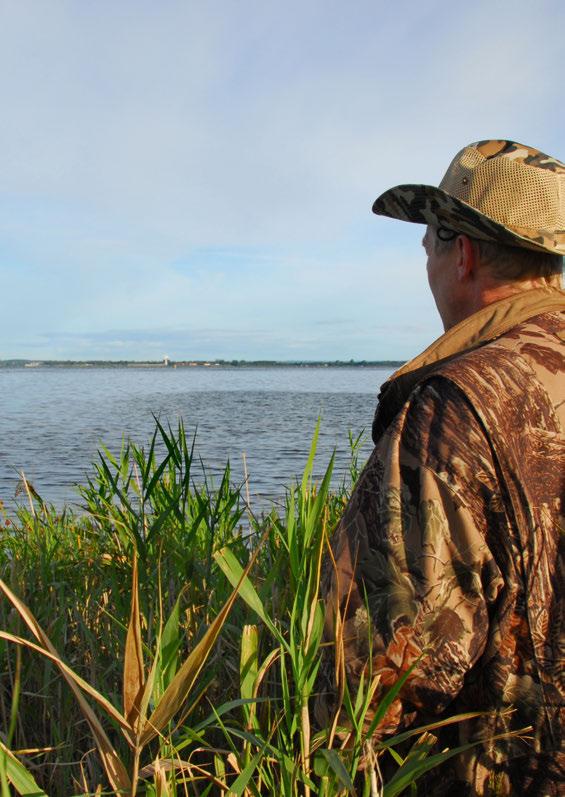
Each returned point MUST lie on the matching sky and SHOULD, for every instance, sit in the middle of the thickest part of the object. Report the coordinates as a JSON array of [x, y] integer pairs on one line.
[[195, 179]]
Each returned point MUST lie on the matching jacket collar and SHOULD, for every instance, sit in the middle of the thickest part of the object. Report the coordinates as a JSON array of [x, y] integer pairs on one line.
[[482, 327]]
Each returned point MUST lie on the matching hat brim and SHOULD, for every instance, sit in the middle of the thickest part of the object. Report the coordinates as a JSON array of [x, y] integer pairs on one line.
[[426, 204]]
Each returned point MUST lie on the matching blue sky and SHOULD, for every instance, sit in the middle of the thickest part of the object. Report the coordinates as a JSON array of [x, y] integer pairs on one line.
[[196, 178]]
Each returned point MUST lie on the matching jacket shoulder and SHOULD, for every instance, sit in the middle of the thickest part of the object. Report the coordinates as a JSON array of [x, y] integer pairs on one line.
[[523, 369]]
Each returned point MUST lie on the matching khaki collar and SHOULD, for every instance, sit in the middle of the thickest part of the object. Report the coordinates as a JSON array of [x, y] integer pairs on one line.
[[483, 326]]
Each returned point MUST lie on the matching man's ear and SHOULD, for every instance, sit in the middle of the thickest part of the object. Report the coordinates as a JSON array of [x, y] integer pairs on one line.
[[466, 262]]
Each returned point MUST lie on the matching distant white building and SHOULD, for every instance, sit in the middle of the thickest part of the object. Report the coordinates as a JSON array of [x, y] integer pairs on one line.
[[166, 360]]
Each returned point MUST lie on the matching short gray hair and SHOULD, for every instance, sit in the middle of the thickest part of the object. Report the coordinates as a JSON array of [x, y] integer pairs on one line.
[[508, 262]]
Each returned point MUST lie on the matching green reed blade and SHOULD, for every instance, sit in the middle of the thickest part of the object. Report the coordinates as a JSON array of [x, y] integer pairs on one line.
[[22, 781]]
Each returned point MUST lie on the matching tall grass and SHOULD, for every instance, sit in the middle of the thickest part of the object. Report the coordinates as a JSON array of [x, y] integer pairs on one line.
[[165, 641]]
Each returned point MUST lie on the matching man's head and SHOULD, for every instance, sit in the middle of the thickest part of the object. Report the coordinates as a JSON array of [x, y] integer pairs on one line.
[[467, 273], [495, 224]]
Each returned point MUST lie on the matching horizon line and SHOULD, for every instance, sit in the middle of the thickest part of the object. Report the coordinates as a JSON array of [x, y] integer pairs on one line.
[[168, 362]]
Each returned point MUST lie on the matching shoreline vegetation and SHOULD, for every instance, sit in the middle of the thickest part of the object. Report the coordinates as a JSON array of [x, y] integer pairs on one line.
[[168, 363], [166, 641]]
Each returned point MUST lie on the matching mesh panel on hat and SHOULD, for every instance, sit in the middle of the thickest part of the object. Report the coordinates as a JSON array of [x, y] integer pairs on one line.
[[458, 178], [516, 194]]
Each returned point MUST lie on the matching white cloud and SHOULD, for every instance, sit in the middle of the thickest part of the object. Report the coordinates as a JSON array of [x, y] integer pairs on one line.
[[135, 134]]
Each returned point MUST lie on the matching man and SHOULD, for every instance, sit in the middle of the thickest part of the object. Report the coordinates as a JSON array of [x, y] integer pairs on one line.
[[447, 558]]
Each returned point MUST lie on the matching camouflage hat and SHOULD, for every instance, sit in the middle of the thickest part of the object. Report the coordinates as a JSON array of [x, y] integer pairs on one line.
[[494, 190]]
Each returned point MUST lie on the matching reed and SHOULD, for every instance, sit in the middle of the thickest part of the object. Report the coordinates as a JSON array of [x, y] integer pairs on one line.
[[166, 641]]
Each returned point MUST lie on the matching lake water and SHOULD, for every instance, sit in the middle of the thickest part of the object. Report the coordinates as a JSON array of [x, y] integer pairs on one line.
[[53, 421]]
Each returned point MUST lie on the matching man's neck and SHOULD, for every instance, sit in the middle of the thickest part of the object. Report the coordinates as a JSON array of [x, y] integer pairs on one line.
[[488, 292]]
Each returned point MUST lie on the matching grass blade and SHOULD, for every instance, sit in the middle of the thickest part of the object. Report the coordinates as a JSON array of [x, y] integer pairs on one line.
[[19, 777], [179, 688], [115, 770], [417, 765], [307, 475], [336, 765], [65, 669], [233, 571]]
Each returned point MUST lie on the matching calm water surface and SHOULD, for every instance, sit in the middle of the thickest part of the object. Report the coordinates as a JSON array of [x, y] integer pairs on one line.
[[53, 421]]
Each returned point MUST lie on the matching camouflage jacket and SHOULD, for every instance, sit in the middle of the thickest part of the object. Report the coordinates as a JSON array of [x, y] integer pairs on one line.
[[453, 542]]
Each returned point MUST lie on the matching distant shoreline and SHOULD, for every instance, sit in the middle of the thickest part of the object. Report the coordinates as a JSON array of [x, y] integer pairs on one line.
[[167, 363]]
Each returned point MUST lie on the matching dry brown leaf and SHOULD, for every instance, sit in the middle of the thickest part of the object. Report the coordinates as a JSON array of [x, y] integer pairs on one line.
[[161, 786], [133, 658], [232, 760]]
